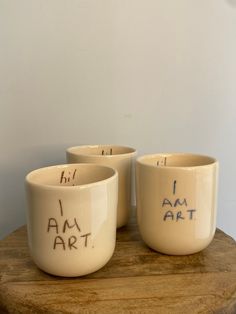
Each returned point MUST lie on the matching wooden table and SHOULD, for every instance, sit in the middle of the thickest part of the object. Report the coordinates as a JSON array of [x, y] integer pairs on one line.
[[136, 280]]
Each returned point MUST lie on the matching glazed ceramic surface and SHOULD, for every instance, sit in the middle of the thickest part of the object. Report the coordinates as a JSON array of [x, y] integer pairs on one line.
[[71, 217], [118, 157], [176, 201]]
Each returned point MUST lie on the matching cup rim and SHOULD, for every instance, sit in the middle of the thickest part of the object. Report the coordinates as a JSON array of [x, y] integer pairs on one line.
[[141, 160], [28, 179], [71, 150]]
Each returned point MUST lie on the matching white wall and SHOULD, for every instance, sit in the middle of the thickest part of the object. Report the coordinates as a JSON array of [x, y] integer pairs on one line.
[[159, 75]]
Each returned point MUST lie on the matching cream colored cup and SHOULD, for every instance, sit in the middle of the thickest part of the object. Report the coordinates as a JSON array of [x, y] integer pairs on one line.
[[118, 157], [71, 217], [176, 201]]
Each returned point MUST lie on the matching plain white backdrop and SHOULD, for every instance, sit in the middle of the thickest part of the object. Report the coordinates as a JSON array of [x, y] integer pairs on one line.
[[158, 75]]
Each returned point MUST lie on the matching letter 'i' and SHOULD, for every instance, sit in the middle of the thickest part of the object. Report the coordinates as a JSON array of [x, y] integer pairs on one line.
[[174, 187]]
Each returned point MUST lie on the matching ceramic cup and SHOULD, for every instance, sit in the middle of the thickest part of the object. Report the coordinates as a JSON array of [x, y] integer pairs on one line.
[[71, 217], [176, 201], [118, 157]]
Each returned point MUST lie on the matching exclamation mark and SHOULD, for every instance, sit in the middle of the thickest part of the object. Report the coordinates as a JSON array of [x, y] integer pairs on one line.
[[74, 174]]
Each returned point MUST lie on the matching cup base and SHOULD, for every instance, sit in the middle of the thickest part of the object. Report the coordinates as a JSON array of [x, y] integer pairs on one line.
[[70, 273], [181, 251]]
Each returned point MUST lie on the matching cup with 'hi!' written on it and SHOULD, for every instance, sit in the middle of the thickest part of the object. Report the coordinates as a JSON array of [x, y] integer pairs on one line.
[[176, 201], [71, 217], [120, 158]]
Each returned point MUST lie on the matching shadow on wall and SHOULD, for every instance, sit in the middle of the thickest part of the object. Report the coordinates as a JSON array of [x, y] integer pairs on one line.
[[12, 180], [232, 3]]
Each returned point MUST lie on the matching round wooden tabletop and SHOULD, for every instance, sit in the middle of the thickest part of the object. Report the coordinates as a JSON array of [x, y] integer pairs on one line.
[[136, 280]]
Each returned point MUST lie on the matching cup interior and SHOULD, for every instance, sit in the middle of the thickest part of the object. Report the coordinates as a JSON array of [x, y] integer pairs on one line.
[[70, 175], [101, 150], [176, 160]]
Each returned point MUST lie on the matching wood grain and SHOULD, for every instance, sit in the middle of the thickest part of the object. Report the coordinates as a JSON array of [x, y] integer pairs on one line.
[[136, 280]]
